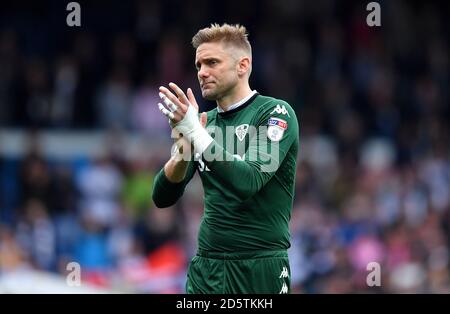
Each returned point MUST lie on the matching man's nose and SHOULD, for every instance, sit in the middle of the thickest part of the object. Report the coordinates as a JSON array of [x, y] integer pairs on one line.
[[202, 73]]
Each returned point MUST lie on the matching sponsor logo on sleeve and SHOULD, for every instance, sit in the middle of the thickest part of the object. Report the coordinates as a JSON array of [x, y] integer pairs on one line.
[[276, 128]]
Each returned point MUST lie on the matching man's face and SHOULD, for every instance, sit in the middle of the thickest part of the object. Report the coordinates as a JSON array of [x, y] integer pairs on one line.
[[217, 70]]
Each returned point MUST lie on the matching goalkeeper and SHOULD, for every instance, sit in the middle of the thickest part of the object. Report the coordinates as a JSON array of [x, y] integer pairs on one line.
[[247, 164]]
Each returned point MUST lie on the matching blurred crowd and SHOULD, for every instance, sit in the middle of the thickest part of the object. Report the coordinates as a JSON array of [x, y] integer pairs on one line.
[[373, 175]]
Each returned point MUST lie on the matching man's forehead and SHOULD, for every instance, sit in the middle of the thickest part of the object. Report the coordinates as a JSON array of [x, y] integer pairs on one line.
[[210, 49]]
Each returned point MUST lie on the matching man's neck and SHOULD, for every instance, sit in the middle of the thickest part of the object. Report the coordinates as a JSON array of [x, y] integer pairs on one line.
[[234, 97]]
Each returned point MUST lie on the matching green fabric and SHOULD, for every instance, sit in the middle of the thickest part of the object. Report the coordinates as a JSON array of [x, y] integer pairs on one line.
[[166, 193], [259, 272], [245, 209]]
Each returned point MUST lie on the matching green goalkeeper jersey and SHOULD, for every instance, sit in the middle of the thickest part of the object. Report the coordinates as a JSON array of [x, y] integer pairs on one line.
[[248, 176]]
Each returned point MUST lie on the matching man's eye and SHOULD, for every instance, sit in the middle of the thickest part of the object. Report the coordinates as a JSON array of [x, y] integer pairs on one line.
[[212, 62]]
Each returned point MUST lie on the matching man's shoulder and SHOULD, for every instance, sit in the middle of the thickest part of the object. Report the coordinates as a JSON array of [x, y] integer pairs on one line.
[[273, 105]]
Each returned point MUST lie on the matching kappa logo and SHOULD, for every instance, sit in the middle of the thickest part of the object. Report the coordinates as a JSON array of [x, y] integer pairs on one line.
[[201, 165], [284, 273], [280, 110], [241, 131], [284, 289]]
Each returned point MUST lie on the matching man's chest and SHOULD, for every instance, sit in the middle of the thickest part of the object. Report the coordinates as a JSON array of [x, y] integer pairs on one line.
[[234, 135]]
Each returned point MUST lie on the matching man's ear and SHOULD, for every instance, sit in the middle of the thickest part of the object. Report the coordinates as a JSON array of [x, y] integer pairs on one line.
[[243, 66]]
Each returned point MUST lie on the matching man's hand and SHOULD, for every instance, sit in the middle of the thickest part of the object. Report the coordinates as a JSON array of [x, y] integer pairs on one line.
[[183, 149], [183, 116], [178, 105], [175, 169]]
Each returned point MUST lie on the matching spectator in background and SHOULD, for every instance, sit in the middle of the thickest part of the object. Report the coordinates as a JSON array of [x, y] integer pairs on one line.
[[33, 96], [145, 118], [9, 63], [36, 235], [65, 86], [100, 184], [91, 251], [35, 180], [12, 255], [114, 100], [137, 187]]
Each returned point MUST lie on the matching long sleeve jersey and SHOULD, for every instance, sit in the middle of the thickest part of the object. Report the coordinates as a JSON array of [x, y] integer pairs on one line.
[[248, 177]]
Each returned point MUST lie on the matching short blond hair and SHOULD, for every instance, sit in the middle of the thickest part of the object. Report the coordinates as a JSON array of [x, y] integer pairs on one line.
[[234, 35]]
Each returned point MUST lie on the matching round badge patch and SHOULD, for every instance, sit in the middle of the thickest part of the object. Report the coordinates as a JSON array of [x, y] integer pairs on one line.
[[274, 133], [276, 128]]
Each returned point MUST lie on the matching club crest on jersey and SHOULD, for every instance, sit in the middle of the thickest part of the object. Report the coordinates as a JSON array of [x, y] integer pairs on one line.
[[276, 128], [241, 131], [280, 109]]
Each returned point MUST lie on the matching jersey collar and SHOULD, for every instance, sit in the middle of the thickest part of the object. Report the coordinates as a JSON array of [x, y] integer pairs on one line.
[[239, 105]]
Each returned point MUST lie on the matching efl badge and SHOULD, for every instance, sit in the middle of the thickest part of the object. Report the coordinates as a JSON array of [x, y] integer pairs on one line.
[[276, 129], [241, 131]]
